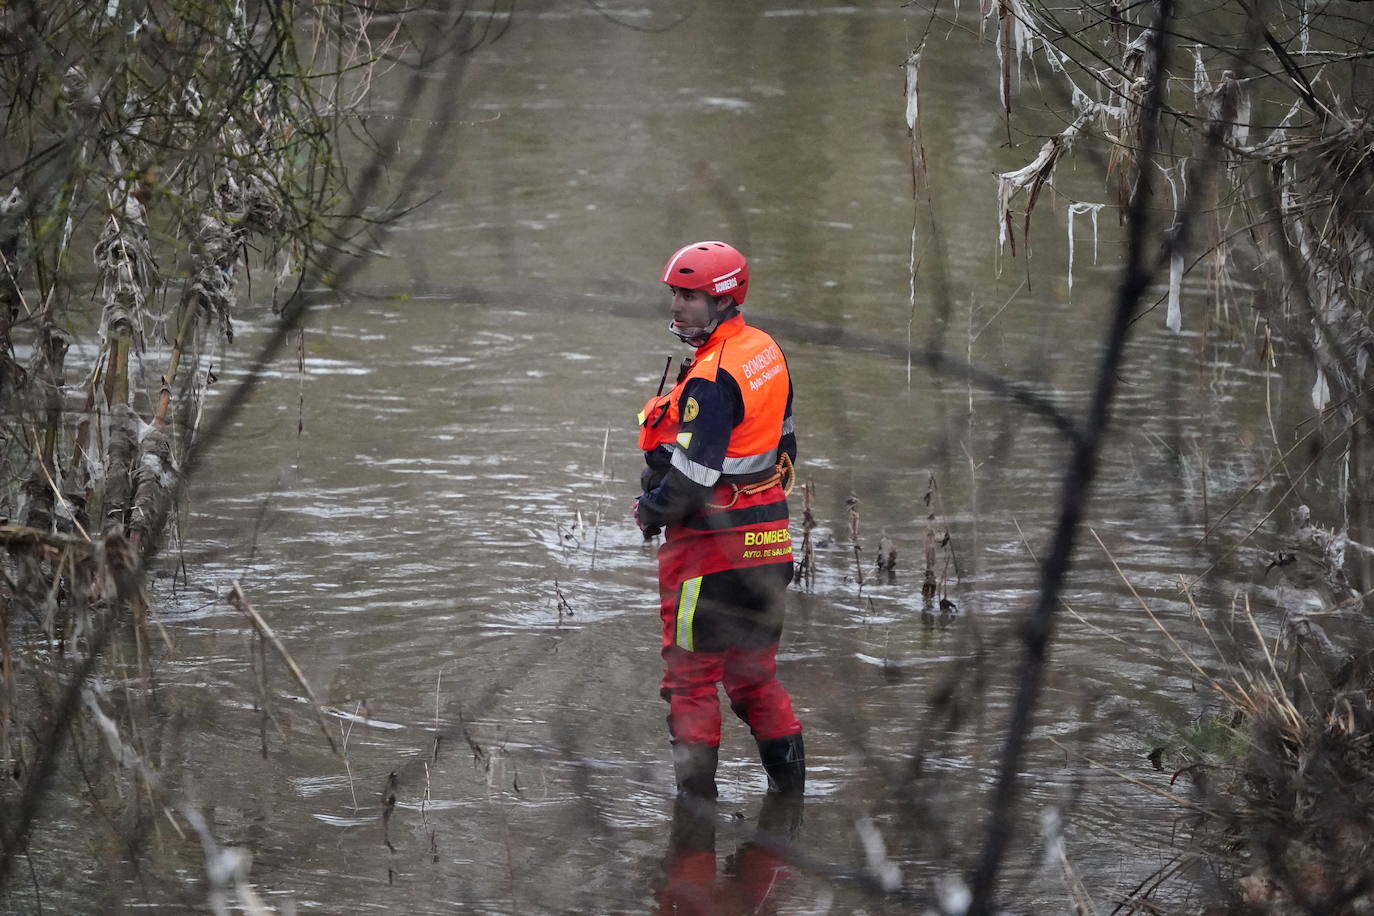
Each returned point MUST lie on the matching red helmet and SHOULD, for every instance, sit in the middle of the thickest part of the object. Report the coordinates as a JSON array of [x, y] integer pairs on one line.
[[714, 267]]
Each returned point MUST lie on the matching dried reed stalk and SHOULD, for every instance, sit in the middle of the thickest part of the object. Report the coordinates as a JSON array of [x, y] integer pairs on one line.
[[240, 601], [808, 561]]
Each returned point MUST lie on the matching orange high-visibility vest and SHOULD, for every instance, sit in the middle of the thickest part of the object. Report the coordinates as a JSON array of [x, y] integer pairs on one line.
[[733, 530], [756, 363]]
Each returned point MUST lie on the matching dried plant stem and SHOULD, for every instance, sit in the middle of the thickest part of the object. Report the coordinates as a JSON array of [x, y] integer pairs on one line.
[[117, 372], [240, 601], [348, 769], [1207, 678], [601, 497], [63, 501], [1155, 790], [424, 799], [187, 314], [930, 584], [852, 505], [438, 736], [264, 697], [8, 754]]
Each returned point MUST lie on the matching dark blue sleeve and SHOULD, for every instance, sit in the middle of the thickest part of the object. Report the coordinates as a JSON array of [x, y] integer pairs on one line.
[[699, 453]]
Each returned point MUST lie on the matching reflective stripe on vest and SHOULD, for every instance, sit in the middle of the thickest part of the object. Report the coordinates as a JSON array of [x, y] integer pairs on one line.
[[750, 464], [696, 473]]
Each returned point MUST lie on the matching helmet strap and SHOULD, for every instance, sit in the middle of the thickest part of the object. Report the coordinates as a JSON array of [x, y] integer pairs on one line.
[[697, 337]]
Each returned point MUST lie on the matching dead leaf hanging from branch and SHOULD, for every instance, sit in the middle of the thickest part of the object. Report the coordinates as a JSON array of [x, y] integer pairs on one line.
[[1032, 178]]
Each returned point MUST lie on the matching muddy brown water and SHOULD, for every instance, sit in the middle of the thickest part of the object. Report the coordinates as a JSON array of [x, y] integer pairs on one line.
[[468, 455]]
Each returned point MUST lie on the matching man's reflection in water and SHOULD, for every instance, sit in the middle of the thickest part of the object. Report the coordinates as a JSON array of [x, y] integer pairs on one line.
[[752, 877]]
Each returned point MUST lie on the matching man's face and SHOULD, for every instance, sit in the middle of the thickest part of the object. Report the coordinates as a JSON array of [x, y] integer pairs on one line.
[[692, 308]]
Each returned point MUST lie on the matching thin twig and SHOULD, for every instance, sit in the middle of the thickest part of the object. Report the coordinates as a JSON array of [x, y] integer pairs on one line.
[[240, 601], [1156, 790], [596, 530]]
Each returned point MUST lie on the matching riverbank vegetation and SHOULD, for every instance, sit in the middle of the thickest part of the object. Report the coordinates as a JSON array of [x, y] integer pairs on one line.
[[159, 158], [1232, 143], [164, 160]]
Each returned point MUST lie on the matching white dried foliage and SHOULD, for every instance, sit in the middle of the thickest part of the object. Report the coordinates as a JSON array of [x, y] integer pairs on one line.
[[240, 32], [12, 236], [1324, 216], [1224, 105], [124, 265], [154, 482], [1334, 250], [1057, 856], [952, 897], [78, 92], [913, 67], [1135, 59], [247, 205], [1032, 177], [1241, 133], [1173, 316], [1227, 103], [252, 205], [1075, 209], [1324, 548], [121, 455], [124, 755], [212, 272], [1018, 37], [13, 202], [90, 449], [1124, 162], [887, 873]]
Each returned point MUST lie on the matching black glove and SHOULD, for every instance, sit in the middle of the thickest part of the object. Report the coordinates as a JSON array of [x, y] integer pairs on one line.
[[649, 478], [652, 531]]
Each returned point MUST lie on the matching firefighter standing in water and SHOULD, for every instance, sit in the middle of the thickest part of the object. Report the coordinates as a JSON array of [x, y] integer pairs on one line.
[[719, 449]]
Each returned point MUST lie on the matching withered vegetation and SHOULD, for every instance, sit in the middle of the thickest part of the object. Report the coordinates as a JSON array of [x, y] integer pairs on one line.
[[1233, 143], [155, 155]]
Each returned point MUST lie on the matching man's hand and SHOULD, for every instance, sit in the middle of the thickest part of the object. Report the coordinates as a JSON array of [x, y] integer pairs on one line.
[[651, 531]]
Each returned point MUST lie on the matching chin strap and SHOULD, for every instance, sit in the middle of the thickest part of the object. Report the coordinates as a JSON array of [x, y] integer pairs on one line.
[[696, 337]]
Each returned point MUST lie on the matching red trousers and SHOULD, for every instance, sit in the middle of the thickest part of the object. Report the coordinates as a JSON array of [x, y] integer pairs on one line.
[[723, 591], [750, 678]]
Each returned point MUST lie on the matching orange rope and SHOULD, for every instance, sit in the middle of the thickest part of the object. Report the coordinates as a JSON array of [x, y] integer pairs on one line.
[[783, 473]]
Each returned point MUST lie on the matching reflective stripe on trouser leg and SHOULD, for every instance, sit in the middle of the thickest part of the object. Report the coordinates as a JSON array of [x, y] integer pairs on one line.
[[686, 610]]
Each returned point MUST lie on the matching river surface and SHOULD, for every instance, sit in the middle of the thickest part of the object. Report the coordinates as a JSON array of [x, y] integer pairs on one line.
[[445, 545]]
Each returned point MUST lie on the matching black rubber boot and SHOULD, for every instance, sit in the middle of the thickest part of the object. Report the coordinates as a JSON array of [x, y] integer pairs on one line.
[[695, 766], [784, 760]]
